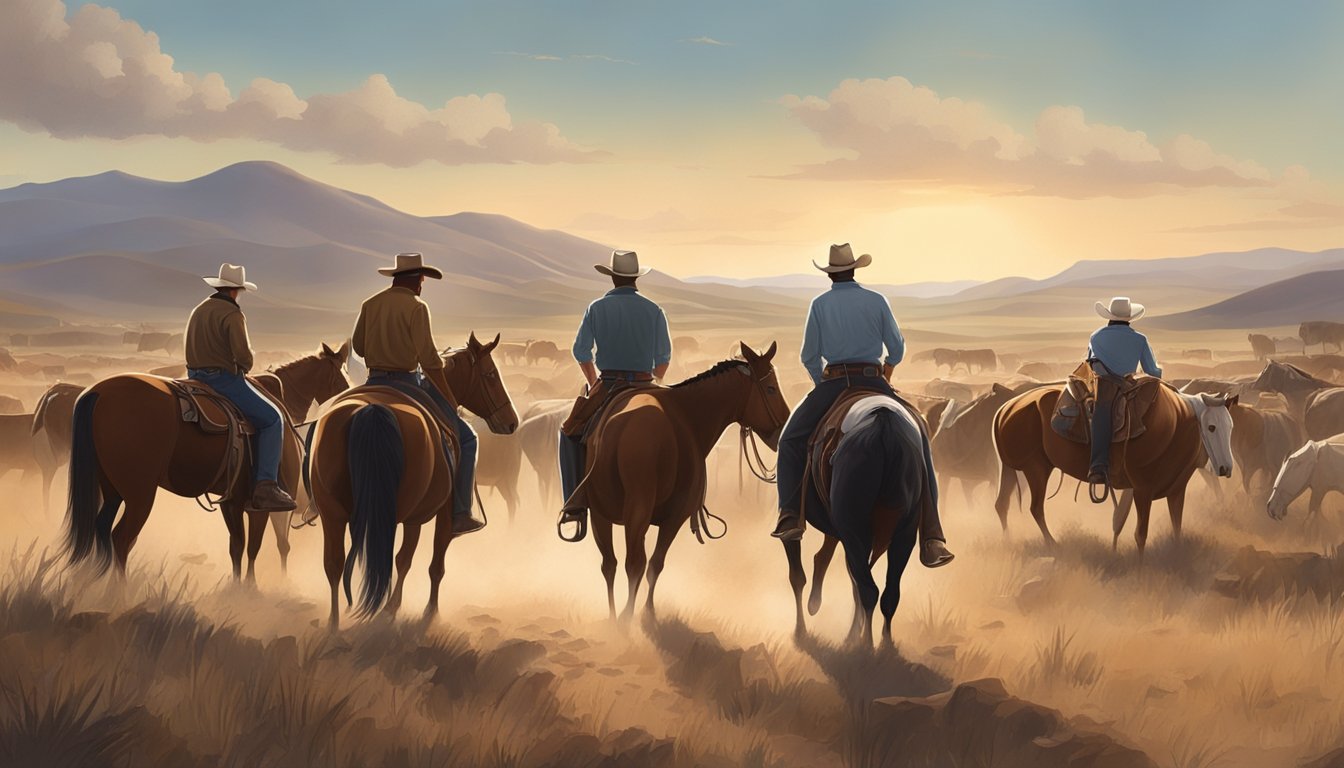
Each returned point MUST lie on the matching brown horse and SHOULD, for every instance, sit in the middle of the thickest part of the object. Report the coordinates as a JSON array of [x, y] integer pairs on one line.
[[129, 440], [376, 462], [1183, 432], [51, 432], [646, 462], [309, 380]]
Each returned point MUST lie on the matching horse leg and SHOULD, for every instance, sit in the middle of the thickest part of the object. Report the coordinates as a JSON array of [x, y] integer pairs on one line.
[[898, 556], [232, 512], [333, 562], [793, 552], [1144, 506], [666, 533], [1176, 508], [856, 557], [509, 490], [256, 533], [602, 538], [1007, 484], [968, 490], [410, 537], [1038, 478], [132, 521], [635, 562], [443, 534], [280, 524], [855, 623], [820, 563], [1314, 506], [1120, 516]]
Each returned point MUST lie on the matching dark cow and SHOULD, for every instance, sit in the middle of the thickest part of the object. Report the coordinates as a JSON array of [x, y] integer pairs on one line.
[[1322, 332], [543, 350], [1261, 345]]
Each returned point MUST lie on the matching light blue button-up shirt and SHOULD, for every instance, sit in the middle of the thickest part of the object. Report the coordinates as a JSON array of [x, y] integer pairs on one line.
[[629, 330], [849, 324], [1122, 350]]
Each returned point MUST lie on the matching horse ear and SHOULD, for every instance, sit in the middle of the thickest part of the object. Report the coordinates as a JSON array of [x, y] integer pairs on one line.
[[748, 353], [770, 353], [344, 352], [327, 351], [491, 346], [472, 342], [1233, 400]]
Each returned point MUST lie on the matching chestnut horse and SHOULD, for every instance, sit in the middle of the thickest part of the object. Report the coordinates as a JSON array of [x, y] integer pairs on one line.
[[128, 440], [646, 461], [376, 462], [1182, 433]]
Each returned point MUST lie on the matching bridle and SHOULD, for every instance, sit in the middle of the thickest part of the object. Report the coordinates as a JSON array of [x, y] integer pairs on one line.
[[492, 405], [751, 456]]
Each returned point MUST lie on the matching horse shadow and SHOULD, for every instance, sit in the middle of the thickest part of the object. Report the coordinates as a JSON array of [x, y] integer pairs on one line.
[[862, 673]]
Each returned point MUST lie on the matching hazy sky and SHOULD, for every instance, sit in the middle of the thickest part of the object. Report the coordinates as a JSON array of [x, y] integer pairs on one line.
[[950, 140]]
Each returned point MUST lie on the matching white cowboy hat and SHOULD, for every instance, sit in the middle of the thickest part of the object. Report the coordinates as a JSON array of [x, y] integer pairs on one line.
[[1121, 308], [623, 264], [411, 262], [842, 259], [230, 276]]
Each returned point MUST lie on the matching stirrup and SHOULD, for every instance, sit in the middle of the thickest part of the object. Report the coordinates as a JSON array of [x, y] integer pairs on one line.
[[1098, 498], [581, 520]]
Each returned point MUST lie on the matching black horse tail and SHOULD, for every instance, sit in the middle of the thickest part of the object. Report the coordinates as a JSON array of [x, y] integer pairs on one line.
[[83, 536], [376, 461]]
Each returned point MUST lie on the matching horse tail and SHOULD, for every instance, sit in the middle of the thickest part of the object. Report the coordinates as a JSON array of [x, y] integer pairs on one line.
[[377, 461], [83, 536]]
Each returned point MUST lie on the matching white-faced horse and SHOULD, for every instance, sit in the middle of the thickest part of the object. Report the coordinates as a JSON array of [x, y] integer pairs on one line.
[[1318, 465]]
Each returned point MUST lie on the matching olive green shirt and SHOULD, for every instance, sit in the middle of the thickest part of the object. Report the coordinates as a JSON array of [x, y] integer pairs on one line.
[[216, 336], [393, 332]]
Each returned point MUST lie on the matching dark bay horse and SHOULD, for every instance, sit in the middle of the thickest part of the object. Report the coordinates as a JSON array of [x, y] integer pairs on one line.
[[646, 462], [878, 489], [129, 440], [376, 462], [1183, 432]]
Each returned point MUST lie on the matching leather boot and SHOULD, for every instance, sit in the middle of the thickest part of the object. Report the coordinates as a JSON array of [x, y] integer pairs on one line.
[[465, 523], [790, 526], [933, 553], [268, 496]]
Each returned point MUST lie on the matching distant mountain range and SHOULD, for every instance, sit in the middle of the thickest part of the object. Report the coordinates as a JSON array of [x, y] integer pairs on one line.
[[123, 249]]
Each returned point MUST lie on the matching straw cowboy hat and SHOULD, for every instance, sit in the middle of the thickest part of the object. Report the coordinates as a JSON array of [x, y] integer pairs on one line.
[[1121, 308], [230, 276], [411, 262], [842, 259], [623, 264]]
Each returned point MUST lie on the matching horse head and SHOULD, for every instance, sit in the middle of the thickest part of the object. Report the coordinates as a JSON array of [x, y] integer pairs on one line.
[[477, 384], [1215, 430], [1293, 478], [333, 380], [766, 410]]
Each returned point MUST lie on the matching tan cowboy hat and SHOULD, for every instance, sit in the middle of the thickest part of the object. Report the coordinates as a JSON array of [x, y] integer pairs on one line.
[[623, 264], [842, 258], [411, 262], [1121, 308], [230, 276]]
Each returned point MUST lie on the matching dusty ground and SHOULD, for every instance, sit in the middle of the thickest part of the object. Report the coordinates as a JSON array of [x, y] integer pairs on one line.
[[523, 668]]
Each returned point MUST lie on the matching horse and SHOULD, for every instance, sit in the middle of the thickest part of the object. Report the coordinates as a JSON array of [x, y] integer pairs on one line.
[[128, 440], [1182, 432], [962, 447], [309, 380], [1318, 465], [646, 461], [878, 490], [1262, 346], [376, 461], [51, 432], [1324, 415], [499, 459], [1321, 332]]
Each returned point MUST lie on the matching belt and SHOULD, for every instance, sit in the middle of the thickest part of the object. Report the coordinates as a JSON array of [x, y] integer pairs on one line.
[[207, 371], [627, 375], [872, 370], [384, 372]]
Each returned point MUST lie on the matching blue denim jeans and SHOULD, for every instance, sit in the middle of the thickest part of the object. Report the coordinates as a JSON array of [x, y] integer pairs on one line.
[[264, 417], [465, 480]]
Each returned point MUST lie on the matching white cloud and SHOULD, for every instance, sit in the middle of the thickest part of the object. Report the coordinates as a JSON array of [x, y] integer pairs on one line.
[[95, 74], [894, 129], [705, 40]]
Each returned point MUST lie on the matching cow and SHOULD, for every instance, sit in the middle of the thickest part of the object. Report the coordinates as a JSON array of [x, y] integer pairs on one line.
[[543, 350], [1322, 332], [130, 337], [151, 342], [512, 351], [1261, 345], [1284, 344], [982, 359]]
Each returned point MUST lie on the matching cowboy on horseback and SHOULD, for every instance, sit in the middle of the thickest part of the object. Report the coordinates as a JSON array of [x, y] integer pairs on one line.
[[219, 355], [633, 349], [847, 328], [1115, 351], [394, 336]]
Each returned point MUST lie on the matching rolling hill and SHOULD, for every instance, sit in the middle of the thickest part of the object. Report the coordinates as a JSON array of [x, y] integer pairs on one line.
[[1313, 296]]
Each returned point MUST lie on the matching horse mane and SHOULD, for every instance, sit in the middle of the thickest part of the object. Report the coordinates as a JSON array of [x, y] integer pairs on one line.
[[292, 364], [715, 370]]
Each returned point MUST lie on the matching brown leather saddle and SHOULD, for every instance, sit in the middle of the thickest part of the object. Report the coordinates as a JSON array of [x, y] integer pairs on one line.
[[592, 410], [1072, 418], [214, 414], [431, 413], [826, 439]]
